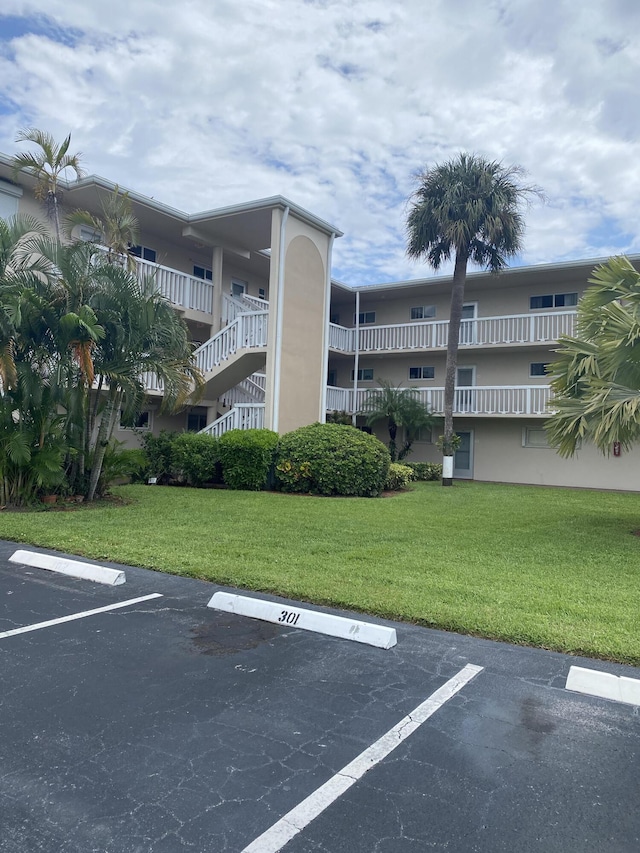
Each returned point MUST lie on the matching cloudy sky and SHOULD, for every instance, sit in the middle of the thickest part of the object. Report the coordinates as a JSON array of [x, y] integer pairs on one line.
[[337, 104]]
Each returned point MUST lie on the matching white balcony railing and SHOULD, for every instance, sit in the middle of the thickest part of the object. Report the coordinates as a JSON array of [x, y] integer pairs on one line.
[[486, 400], [249, 390], [247, 331], [483, 331], [242, 416], [184, 291], [232, 307]]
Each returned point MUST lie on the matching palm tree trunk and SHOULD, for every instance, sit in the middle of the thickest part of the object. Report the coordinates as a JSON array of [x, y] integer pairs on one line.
[[105, 431], [455, 315]]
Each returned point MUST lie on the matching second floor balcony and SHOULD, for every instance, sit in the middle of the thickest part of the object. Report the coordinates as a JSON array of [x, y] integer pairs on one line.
[[475, 401], [184, 291], [507, 331]]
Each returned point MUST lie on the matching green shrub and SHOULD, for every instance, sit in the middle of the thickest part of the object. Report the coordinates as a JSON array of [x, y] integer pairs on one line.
[[195, 456], [426, 470], [246, 456], [121, 464], [398, 477], [331, 459], [159, 452]]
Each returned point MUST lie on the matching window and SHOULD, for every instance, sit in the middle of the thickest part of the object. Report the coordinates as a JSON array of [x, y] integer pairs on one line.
[[534, 437], [89, 235], [332, 378], [141, 421], [553, 300], [238, 287], [425, 435], [364, 374], [9, 195], [202, 272], [262, 293], [335, 318], [196, 421], [423, 312], [422, 372], [143, 252], [538, 368], [365, 317]]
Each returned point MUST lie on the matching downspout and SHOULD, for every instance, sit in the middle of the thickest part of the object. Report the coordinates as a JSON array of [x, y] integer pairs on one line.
[[356, 361], [327, 318], [279, 320]]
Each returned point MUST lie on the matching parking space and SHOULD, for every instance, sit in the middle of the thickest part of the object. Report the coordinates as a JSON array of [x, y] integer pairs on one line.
[[166, 726]]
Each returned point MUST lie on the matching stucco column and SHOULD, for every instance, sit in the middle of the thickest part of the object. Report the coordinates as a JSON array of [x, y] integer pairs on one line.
[[216, 279]]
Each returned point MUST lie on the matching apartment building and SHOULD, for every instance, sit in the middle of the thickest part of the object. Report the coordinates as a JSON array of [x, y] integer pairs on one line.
[[281, 344]]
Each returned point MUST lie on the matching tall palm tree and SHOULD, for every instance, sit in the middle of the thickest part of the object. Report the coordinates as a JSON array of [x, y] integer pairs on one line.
[[118, 227], [468, 207], [48, 166], [596, 378], [398, 407]]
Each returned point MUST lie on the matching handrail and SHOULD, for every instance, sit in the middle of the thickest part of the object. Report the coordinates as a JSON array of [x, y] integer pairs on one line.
[[507, 329], [497, 400], [247, 331], [183, 290], [242, 416]]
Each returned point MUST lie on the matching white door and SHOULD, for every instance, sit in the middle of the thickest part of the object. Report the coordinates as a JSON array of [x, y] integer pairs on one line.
[[467, 323], [465, 397], [463, 459]]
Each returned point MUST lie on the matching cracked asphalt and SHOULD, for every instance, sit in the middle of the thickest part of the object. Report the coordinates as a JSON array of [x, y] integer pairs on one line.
[[168, 727]]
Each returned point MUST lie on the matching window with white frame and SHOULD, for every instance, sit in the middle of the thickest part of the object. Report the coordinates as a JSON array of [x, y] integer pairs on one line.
[[143, 252], [535, 437], [538, 368], [428, 372], [202, 272], [141, 421], [553, 300], [89, 235], [365, 317], [423, 312], [365, 374]]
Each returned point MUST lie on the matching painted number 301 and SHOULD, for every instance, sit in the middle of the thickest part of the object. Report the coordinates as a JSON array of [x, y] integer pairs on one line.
[[288, 617]]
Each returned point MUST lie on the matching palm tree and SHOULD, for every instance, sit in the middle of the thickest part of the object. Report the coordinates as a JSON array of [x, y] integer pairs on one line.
[[48, 166], [118, 227], [143, 334], [596, 378], [468, 207], [399, 407]]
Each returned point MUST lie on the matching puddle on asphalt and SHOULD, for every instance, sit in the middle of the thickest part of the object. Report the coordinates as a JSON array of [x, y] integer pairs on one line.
[[228, 634]]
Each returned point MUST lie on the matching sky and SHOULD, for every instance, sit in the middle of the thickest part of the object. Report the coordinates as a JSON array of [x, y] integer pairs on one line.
[[339, 105]]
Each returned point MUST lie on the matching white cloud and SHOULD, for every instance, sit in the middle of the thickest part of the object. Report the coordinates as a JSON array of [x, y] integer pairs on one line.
[[337, 104]]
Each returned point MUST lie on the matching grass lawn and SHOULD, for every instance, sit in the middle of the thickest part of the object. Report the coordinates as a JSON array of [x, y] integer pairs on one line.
[[557, 568]]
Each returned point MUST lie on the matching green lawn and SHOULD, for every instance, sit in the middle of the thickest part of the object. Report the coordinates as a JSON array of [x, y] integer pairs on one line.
[[556, 568]]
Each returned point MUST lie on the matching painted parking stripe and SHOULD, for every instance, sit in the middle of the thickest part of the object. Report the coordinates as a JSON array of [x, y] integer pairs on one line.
[[38, 625], [308, 620], [66, 566], [605, 685], [275, 838]]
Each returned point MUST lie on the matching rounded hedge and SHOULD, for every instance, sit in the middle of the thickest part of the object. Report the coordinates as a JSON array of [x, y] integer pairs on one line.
[[195, 456], [246, 456], [331, 459]]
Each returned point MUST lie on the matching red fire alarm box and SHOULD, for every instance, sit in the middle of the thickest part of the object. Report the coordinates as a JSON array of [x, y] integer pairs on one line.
[[616, 448]]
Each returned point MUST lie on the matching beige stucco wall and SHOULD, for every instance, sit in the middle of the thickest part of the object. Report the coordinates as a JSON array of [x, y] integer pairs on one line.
[[302, 375], [499, 456]]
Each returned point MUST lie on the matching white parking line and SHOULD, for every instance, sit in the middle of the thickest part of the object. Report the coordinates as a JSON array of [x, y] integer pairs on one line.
[[275, 838], [37, 625]]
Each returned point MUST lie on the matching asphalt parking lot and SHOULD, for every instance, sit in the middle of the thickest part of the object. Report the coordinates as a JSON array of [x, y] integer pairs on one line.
[[163, 726]]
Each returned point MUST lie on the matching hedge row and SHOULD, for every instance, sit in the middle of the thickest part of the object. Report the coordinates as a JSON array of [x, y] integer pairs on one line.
[[323, 459]]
